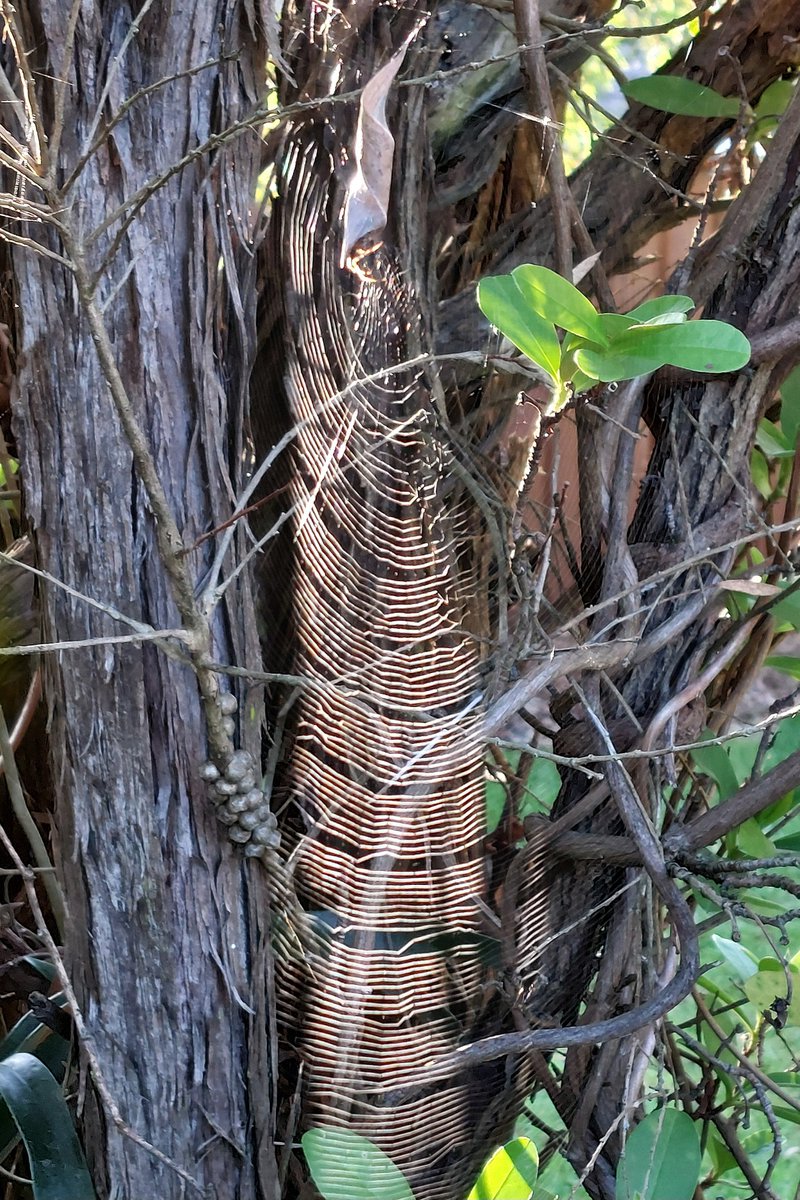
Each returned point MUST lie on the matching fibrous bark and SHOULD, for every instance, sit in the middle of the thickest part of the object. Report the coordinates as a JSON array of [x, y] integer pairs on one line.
[[165, 938]]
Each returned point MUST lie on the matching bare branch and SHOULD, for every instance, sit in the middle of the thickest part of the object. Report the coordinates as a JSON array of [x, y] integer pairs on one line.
[[752, 798]]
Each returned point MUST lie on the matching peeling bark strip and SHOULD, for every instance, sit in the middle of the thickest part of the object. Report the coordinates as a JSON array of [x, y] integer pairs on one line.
[[383, 783]]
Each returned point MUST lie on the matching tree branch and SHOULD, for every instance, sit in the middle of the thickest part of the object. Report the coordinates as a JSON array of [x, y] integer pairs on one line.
[[752, 798]]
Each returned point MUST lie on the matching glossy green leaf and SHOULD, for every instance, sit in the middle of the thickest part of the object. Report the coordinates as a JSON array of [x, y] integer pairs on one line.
[[790, 406], [752, 841], [613, 325], [706, 346], [683, 97], [759, 473], [510, 1174], [557, 300], [713, 761], [770, 108], [502, 303], [32, 1037], [346, 1166], [667, 318], [786, 1114], [787, 740], [721, 1157], [773, 441], [787, 609], [660, 305], [37, 1104], [581, 383], [541, 789], [786, 663], [741, 961], [543, 785], [775, 99], [43, 966], [769, 985], [661, 1160]]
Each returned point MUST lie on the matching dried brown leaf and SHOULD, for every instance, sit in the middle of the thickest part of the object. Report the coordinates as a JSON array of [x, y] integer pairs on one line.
[[367, 202]]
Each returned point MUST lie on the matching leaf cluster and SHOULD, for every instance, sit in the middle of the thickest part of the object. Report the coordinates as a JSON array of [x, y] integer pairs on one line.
[[577, 347]]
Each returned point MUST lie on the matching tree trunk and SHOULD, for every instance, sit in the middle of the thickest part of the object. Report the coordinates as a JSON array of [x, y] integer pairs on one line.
[[166, 930]]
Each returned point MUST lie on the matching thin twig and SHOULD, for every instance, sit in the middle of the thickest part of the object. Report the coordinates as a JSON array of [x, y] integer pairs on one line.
[[528, 25], [106, 639], [25, 716], [28, 825], [128, 104], [131, 33], [35, 132], [61, 92], [29, 244]]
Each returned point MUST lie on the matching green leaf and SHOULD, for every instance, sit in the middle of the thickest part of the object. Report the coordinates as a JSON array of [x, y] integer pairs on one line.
[[787, 608], [661, 1160], [713, 761], [706, 346], [541, 789], [759, 473], [718, 1152], [495, 794], [556, 299], [752, 841], [32, 1037], [775, 99], [741, 961], [544, 782], [786, 1114], [502, 303], [660, 305], [790, 406], [346, 1166], [683, 97], [769, 985], [769, 109], [773, 441], [667, 318], [14, 464], [581, 383], [44, 968], [36, 1102], [510, 1174], [613, 325]]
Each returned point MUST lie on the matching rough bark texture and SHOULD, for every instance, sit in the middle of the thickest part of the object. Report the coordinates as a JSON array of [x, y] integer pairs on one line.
[[166, 925]]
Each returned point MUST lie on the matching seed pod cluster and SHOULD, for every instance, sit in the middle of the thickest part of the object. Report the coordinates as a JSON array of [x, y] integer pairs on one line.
[[241, 804]]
